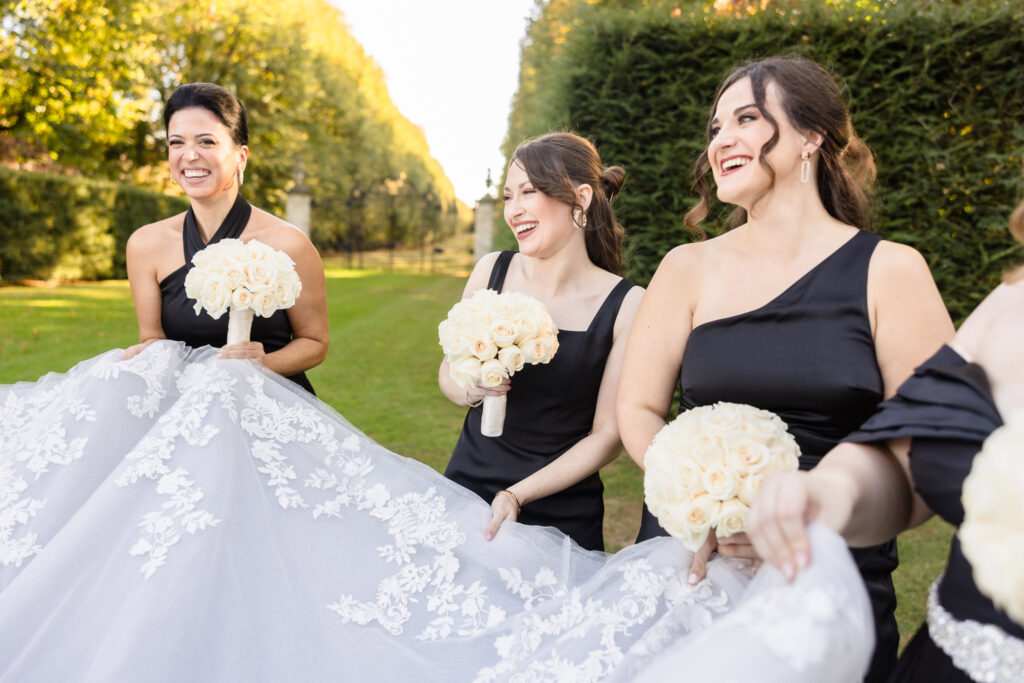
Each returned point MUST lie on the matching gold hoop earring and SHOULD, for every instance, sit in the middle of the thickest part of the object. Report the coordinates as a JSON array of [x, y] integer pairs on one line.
[[241, 176], [580, 219], [805, 167]]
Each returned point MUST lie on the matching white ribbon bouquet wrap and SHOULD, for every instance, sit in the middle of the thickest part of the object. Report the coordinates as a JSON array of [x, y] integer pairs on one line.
[[703, 469], [244, 278], [489, 337]]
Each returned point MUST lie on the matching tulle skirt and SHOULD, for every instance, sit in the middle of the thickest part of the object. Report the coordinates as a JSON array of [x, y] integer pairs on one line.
[[177, 517]]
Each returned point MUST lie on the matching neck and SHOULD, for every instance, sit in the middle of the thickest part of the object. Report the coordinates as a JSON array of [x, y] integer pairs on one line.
[[211, 212], [553, 274], [788, 218]]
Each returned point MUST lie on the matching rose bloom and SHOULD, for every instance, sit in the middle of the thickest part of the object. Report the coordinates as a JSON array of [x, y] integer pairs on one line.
[[745, 455], [992, 536], [215, 297], [260, 275], [722, 418], [255, 251], [241, 298], [234, 275], [721, 482], [465, 371], [708, 451], [539, 349], [731, 518], [749, 486], [491, 373], [511, 358], [286, 292], [264, 303], [700, 513], [503, 332], [483, 348], [194, 281]]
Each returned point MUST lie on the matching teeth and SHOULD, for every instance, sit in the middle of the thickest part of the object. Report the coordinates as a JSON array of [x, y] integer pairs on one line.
[[195, 173], [734, 163], [524, 227]]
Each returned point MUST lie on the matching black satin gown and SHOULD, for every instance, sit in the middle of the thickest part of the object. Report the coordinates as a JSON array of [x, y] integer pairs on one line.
[[947, 410], [808, 355], [177, 312], [550, 408]]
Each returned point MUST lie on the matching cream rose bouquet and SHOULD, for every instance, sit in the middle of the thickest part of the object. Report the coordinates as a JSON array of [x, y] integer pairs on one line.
[[489, 337], [992, 533], [244, 278], [704, 467]]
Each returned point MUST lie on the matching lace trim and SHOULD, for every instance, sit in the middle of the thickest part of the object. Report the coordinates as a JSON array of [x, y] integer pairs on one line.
[[984, 652]]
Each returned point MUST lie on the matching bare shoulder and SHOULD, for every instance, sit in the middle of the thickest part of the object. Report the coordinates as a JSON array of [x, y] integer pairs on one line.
[[157, 235], [279, 234], [481, 273], [627, 310], [896, 263], [1001, 309], [681, 261]]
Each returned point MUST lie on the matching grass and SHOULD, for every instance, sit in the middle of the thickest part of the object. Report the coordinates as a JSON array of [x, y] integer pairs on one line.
[[380, 374]]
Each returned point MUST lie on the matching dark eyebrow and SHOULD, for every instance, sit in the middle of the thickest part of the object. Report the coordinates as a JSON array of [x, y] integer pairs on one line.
[[736, 111], [526, 182]]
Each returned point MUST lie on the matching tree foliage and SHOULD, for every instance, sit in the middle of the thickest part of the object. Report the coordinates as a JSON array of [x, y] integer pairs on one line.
[[83, 82], [934, 89]]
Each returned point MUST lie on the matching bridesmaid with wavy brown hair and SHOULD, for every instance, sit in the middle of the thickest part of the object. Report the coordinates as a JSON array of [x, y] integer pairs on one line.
[[797, 309], [560, 425]]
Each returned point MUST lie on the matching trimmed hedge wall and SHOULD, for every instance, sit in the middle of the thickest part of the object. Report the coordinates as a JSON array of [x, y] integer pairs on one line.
[[69, 228], [935, 89]]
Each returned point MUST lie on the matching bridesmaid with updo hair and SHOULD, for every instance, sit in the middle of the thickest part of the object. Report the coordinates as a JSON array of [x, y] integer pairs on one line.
[[560, 425]]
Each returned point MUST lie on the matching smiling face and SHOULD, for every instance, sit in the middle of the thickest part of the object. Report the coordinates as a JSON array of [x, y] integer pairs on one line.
[[204, 160], [739, 131], [542, 224]]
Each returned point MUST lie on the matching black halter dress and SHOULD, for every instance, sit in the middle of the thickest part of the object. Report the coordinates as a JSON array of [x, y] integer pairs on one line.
[[177, 314]]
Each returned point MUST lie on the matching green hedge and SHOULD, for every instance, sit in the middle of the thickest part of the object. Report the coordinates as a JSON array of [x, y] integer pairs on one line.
[[934, 88], [66, 227]]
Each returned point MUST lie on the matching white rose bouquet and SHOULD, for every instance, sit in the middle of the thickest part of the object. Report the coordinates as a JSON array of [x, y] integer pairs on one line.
[[489, 337], [992, 533], [704, 467], [246, 278]]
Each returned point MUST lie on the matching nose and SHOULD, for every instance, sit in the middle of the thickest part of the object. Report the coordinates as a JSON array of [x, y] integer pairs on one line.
[[513, 209]]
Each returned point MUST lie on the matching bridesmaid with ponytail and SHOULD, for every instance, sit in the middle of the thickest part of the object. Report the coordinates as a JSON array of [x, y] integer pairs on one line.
[[796, 309], [560, 426]]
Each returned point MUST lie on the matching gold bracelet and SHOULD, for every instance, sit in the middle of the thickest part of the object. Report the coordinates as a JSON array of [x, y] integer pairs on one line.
[[471, 404], [519, 509]]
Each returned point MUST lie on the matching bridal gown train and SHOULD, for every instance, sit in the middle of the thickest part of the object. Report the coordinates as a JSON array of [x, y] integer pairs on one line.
[[178, 517]]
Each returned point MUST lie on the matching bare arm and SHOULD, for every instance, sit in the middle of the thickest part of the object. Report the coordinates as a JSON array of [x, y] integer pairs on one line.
[[654, 353], [910, 320], [142, 246], [592, 452]]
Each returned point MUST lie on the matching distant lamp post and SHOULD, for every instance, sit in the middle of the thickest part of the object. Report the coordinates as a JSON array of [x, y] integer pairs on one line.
[[356, 200], [297, 207], [483, 222]]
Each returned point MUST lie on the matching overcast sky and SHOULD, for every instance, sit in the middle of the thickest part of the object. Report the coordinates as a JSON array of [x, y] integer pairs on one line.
[[452, 67]]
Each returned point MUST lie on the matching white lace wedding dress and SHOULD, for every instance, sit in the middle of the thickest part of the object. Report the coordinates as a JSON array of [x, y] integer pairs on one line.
[[176, 517]]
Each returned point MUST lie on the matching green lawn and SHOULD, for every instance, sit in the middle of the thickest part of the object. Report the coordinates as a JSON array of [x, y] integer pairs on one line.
[[380, 374]]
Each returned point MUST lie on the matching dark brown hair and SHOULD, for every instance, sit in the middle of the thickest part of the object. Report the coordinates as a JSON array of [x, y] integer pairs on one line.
[[556, 164], [219, 101], [812, 102]]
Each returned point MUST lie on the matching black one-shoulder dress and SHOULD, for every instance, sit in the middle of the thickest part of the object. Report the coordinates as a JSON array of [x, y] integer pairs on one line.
[[808, 356]]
